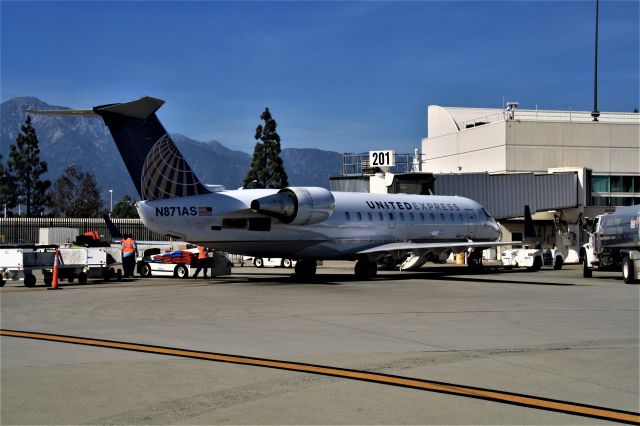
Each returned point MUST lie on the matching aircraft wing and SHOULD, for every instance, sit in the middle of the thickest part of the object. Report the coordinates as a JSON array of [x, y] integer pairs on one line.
[[426, 246]]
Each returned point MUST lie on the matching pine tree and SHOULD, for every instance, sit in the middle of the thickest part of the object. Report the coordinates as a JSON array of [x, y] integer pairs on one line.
[[125, 208], [267, 168], [26, 168], [7, 192], [76, 194]]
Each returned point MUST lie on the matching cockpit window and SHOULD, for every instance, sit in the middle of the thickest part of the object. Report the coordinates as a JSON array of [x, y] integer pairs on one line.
[[486, 214]]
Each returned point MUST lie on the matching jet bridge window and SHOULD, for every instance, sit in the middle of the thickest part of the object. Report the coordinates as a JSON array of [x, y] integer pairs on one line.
[[234, 223]]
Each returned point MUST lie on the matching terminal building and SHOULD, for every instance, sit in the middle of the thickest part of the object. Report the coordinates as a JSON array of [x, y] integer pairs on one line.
[[563, 164]]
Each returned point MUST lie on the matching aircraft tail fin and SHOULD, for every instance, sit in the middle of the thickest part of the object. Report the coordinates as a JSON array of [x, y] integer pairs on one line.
[[155, 164], [113, 229]]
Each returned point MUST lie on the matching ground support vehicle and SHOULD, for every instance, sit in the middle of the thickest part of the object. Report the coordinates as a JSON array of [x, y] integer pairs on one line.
[[614, 244], [533, 259], [183, 266], [74, 263], [276, 262]]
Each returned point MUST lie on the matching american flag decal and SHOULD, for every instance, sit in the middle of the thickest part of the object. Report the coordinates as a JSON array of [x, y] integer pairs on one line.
[[205, 211]]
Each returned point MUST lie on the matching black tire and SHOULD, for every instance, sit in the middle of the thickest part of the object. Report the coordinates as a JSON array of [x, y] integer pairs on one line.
[[145, 270], [181, 271], [537, 264], [258, 262], [305, 269], [586, 271], [2, 282], [628, 272], [47, 278], [82, 278], [119, 275], [286, 263], [557, 265], [365, 269], [29, 280]]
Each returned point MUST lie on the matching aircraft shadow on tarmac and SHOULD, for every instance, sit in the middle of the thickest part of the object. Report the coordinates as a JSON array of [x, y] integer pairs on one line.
[[444, 274]]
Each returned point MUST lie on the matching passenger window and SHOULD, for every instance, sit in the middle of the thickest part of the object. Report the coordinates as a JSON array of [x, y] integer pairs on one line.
[[369, 216], [422, 217], [380, 216], [433, 217], [402, 216], [359, 216], [390, 216], [460, 217], [453, 219], [442, 216], [411, 216], [347, 216]]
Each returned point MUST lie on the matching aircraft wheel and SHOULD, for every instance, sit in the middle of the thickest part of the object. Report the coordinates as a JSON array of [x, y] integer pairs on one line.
[[365, 269], [558, 264], [258, 262], [306, 269], [29, 280], [628, 272], [181, 271], [145, 270], [286, 263]]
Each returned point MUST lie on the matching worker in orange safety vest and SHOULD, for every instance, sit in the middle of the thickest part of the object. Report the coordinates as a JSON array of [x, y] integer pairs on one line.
[[129, 250], [202, 262]]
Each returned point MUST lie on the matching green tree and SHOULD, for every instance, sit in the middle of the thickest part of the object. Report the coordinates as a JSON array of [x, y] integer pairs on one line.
[[267, 168], [25, 167], [125, 208], [76, 194], [7, 191]]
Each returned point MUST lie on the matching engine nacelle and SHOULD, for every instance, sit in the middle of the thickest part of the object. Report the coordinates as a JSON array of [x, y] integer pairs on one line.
[[297, 205]]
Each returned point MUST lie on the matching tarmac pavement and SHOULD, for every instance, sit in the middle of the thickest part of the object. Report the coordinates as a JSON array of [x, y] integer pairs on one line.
[[549, 334]]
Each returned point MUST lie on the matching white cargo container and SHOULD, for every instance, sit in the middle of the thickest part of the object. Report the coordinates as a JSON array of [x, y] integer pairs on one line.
[[57, 236]]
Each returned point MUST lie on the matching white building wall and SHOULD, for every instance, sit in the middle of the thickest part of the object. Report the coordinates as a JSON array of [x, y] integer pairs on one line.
[[478, 149]]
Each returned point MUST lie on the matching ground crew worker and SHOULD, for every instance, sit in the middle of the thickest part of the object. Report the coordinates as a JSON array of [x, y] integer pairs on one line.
[[129, 253], [202, 262]]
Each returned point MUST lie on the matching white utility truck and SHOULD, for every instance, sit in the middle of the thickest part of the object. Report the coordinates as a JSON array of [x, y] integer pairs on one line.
[[614, 243]]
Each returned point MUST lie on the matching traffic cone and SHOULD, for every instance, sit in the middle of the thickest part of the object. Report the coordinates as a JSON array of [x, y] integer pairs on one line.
[[54, 279]]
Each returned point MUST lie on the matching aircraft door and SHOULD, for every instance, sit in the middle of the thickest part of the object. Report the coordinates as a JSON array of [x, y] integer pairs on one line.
[[472, 219]]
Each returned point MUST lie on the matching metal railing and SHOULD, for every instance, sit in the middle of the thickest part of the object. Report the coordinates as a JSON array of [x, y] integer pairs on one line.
[[27, 230], [550, 115], [356, 164]]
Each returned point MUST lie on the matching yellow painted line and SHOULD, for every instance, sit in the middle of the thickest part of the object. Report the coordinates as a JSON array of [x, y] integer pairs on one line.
[[408, 382]]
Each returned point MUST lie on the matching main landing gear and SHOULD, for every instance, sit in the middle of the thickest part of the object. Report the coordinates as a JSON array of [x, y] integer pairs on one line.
[[366, 269], [306, 269]]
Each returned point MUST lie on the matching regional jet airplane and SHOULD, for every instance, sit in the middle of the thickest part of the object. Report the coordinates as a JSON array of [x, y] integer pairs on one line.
[[303, 223]]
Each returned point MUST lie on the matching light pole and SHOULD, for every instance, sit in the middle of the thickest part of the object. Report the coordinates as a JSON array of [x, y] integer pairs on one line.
[[110, 201]]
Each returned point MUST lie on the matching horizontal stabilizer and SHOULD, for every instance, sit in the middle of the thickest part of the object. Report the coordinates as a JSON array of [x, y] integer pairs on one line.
[[141, 108], [73, 112]]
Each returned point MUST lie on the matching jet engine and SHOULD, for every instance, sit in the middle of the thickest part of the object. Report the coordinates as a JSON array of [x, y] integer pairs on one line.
[[297, 205]]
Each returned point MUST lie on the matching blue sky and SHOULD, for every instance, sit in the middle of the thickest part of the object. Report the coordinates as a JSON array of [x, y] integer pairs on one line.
[[342, 76]]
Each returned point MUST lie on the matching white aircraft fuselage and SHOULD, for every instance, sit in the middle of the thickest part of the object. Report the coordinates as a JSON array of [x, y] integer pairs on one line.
[[358, 221]]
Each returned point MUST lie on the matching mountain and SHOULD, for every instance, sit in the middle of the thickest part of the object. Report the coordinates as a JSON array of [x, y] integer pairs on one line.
[[65, 141]]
